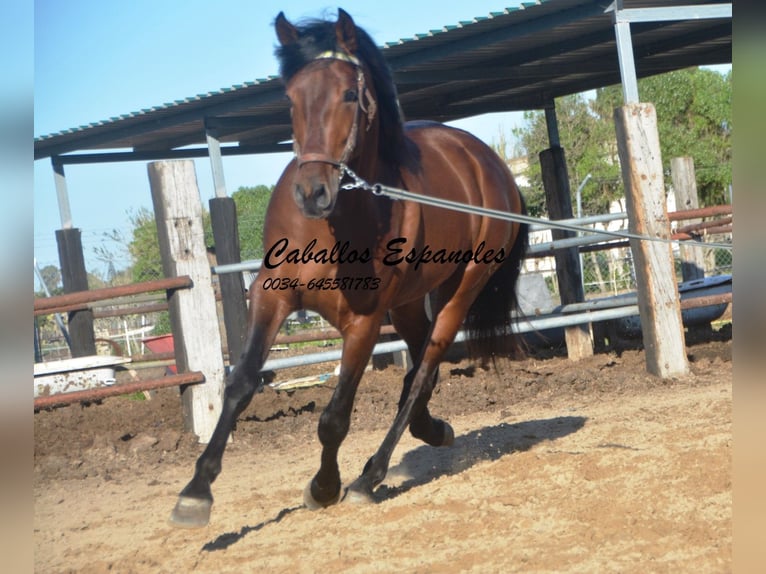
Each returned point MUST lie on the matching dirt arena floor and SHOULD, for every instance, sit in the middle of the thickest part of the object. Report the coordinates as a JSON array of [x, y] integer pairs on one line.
[[557, 466]]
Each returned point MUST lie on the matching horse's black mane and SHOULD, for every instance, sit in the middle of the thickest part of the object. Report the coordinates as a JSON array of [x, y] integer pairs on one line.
[[317, 36]]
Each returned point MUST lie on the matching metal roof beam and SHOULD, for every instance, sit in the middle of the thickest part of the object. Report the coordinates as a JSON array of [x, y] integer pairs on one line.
[[535, 71], [622, 19], [167, 144], [455, 111], [245, 123], [671, 13], [253, 139], [109, 157], [538, 95], [227, 129], [694, 37], [534, 56], [561, 47], [153, 123], [513, 31]]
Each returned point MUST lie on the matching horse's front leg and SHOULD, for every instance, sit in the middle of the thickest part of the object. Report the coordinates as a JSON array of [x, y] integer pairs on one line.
[[195, 500], [358, 341]]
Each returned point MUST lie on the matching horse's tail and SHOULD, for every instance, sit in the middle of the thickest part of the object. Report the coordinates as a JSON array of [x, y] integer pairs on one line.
[[488, 323]]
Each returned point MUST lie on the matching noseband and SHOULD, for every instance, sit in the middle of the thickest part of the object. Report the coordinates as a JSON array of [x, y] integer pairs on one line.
[[366, 105]]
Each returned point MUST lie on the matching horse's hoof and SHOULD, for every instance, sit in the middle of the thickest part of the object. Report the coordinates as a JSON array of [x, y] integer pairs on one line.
[[191, 512], [449, 435], [358, 493], [312, 503]]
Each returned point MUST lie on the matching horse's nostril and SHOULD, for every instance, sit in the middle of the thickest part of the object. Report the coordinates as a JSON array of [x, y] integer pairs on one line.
[[318, 191], [298, 194], [320, 196]]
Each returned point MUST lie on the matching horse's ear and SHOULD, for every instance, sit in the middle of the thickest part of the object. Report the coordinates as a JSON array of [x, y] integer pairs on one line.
[[345, 32], [286, 33]]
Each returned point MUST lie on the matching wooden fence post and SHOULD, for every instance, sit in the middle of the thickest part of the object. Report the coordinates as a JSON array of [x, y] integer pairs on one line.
[[685, 190], [178, 212], [638, 145], [223, 218], [553, 165], [74, 278]]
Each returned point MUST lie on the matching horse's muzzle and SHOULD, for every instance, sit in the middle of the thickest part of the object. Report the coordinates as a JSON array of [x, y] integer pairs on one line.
[[315, 192], [314, 199]]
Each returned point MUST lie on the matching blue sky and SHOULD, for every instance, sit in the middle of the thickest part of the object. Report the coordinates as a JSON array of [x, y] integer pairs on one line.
[[94, 60]]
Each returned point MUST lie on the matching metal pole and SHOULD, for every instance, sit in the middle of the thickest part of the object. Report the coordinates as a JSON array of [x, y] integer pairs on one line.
[[561, 319], [579, 216], [216, 162], [61, 193], [579, 196], [529, 325], [625, 55]]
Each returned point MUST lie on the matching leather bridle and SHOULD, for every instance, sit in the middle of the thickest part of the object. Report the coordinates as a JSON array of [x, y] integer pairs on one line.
[[366, 104]]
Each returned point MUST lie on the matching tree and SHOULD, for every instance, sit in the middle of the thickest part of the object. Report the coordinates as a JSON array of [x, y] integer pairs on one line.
[[113, 248], [96, 282], [52, 278], [145, 255], [251, 205], [585, 139], [502, 145], [51, 275], [144, 245], [694, 119]]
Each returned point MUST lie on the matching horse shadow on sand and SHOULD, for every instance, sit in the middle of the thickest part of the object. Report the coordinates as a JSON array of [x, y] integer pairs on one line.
[[425, 464]]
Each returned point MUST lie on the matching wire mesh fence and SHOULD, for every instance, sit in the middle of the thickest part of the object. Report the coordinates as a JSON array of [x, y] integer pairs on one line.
[[123, 334], [604, 272], [612, 272]]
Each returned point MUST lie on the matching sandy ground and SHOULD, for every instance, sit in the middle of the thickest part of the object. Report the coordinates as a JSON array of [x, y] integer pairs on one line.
[[557, 467]]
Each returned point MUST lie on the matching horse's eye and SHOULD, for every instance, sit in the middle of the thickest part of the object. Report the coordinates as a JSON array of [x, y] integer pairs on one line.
[[350, 96]]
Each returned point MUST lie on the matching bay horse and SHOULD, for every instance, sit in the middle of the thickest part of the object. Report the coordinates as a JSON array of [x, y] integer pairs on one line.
[[354, 256]]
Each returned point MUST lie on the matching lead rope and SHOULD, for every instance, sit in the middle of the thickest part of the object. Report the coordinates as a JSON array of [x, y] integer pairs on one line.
[[395, 193]]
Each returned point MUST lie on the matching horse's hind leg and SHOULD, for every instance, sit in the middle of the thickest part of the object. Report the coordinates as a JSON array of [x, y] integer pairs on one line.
[[195, 500], [445, 328], [414, 326]]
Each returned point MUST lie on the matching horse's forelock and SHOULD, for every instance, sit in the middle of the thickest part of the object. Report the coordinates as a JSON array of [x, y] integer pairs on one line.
[[318, 36], [314, 37]]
